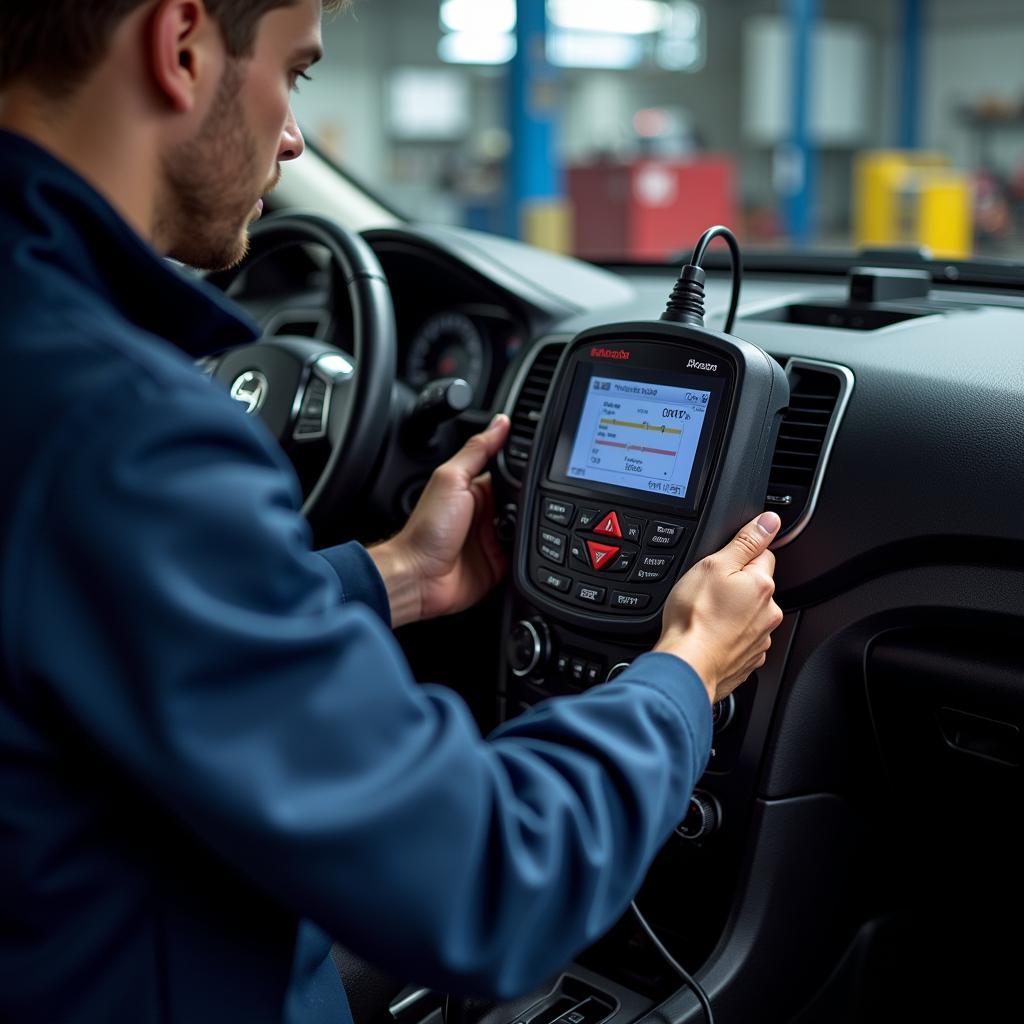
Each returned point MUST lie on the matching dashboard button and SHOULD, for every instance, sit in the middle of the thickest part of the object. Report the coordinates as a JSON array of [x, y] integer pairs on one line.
[[559, 512], [590, 594], [665, 535], [593, 676], [553, 581], [601, 555], [609, 526], [587, 517], [579, 670], [634, 602]]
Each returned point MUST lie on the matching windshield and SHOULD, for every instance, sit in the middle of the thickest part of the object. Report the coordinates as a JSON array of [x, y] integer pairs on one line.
[[617, 130]]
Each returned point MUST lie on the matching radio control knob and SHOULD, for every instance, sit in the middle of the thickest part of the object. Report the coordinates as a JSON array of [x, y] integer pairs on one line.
[[530, 646], [703, 817]]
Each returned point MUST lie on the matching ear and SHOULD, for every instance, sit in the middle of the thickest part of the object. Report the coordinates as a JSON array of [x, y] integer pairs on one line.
[[185, 46]]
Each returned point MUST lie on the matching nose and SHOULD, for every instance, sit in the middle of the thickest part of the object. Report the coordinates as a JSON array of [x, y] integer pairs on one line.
[[292, 142]]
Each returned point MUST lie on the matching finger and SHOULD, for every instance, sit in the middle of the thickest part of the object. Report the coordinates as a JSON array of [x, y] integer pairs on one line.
[[481, 448], [751, 541], [765, 562]]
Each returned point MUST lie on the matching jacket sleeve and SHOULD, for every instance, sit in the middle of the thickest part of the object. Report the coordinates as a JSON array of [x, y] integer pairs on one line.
[[212, 657], [358, 577]]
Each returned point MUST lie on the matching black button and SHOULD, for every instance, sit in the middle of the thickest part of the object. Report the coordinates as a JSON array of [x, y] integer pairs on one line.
[[641, 575], [562, 664], [578, 550], [632, 530], [559, 512], [552, 539], [593, 676], [665, 535], [587, 518], [590, 594], [624, 562], [579, 670], [551, 545], [654, 563], [553, 581], [635, 602]]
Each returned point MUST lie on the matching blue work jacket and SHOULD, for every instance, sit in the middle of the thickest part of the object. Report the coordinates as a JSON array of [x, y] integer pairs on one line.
[[212, 753]]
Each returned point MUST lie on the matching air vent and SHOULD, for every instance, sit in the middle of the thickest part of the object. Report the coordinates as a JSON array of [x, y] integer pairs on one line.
[[819, 394], [529, 403]]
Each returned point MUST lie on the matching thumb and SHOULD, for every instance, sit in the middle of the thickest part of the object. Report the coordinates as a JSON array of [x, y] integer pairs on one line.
[[473, 456], [751, 541]]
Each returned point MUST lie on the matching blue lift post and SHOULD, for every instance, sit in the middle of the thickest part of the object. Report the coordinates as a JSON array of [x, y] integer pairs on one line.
[[536, 197], [800, 202], [910, 93]]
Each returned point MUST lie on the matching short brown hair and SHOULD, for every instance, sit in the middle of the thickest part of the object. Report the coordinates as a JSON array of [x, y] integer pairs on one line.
[[58, 42]]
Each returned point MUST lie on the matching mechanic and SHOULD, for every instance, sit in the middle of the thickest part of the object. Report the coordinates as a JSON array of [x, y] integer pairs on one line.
[[214, 755]]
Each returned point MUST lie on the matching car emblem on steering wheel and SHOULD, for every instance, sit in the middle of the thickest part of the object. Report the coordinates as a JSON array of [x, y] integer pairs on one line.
[[251, 390]]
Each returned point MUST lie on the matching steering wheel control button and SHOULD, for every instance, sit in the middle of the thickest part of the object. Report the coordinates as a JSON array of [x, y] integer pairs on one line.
[[665, 535], [587, 517], [554, 581], [703, 817], [551, 545], [630, 602], [578, 551], [590, 594], [529, 646], [558, 512], [633, 530], [602, 555], [312, 422], [609, 527]]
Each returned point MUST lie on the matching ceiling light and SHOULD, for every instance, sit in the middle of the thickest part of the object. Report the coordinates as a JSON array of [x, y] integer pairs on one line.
[[594, 50], [492, 17], [615, 17], [477, 47]]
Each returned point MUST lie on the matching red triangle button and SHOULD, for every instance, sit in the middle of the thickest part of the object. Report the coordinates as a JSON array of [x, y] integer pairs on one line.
[[609, 526], [601, 555]]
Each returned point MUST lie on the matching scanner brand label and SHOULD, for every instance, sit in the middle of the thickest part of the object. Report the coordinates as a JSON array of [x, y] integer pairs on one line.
[[695, 364], [609, 353]]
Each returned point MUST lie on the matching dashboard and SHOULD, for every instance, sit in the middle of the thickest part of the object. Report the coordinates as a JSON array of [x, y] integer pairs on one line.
[[854, 844]]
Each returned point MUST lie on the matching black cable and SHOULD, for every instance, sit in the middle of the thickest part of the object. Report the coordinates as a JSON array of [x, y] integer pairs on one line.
[[692, 982], [686, 304]]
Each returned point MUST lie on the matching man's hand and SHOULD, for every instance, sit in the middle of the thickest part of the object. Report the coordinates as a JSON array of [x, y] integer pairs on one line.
[[447, 556], [720, 615]]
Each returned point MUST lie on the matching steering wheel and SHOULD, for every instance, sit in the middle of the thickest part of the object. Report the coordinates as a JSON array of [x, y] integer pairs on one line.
[[321, 403]]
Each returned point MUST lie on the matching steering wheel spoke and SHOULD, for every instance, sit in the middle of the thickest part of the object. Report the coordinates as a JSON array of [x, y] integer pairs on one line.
[[307, 391]]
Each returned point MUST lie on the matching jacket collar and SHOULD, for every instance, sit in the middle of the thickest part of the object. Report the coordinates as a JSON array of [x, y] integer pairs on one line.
[[71, 227]]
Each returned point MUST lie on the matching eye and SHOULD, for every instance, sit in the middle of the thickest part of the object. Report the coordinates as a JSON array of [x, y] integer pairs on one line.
[[295, 76]]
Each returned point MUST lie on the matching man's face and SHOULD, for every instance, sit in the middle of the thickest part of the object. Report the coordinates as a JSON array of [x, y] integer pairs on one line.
[[214, 182]]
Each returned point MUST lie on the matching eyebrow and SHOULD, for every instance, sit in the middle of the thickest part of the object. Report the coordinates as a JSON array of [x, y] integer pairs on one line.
[[310, 54]]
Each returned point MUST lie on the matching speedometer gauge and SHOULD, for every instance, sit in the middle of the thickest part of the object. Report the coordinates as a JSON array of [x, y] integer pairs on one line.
[[448, 345]]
